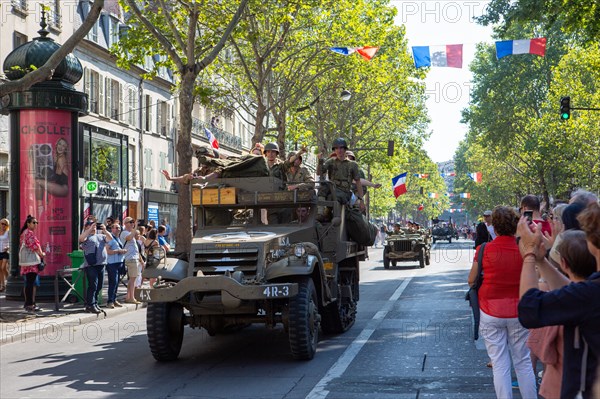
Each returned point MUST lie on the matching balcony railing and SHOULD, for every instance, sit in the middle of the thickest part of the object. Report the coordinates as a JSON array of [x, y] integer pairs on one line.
[[224, 138]]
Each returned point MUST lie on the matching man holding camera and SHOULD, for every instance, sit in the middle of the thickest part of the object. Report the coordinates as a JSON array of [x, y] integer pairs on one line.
[[93, 242]]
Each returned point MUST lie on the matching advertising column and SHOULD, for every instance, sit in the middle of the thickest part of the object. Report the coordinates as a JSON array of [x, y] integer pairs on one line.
[[45, 173]]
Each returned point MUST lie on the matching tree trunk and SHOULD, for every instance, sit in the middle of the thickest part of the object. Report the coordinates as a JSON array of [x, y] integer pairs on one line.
[[184, 233], [259, 130], [281, 128]]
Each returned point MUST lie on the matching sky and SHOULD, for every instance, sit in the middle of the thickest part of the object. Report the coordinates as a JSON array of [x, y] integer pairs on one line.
[[431, 23]]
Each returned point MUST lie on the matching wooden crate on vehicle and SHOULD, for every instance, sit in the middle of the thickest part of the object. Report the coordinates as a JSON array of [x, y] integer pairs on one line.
[[213, 196]]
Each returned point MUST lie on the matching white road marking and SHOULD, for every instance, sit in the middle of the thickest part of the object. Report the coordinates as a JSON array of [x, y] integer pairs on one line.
[[319, 391]]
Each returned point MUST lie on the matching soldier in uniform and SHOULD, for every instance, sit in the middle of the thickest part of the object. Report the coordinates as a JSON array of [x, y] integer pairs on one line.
[[298, 177], [342, 172], [277, 169]]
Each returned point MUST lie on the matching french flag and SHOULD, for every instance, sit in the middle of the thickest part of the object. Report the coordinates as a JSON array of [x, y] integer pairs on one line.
[[535, 46], [476, 177], [211, 139], [399, 184], [465, 195], [449, 55]]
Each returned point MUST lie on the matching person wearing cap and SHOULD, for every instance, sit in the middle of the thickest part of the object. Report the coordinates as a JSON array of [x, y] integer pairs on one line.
[[298, 177], [363, 179], [342, 172], [487, 218], [258, 149]]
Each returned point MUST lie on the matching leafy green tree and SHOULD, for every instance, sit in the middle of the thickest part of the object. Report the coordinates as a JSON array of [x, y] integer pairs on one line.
[[515, 135], [188, 35], [580, 18]]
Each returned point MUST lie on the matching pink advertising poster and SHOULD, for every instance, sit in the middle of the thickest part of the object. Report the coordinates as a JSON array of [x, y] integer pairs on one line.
[[45, 173]]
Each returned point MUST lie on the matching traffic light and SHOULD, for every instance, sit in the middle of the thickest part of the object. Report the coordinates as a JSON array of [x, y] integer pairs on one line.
[[565, 108]]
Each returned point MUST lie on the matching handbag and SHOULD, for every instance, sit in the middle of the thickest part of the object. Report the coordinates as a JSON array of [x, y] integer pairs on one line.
[[41, 266], [472, 294], [27, 257]]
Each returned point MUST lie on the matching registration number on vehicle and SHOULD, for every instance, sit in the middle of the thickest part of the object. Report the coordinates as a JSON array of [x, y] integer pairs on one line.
[[277, 291]]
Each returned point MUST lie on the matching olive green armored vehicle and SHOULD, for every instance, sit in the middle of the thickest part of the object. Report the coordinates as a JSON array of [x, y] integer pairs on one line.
[[293, 272]]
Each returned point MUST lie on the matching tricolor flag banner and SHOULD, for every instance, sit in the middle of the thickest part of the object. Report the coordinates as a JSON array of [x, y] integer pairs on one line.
[[449, 194], [448, 174], [535, 46], [422, 175], [367, 52], [475, 176], [343, 50], [420, 208], [465, 195], [211, 139], [449, 55], [399, 185], [433, 195]]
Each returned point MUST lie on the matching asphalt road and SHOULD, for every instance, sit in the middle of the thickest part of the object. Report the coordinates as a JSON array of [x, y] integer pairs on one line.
[[412, 339]]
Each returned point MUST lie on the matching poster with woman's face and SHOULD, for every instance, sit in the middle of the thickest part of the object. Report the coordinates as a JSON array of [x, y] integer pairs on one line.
[[45, 179]]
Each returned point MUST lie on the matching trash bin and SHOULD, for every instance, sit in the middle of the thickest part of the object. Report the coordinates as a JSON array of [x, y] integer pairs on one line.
[[76, 262]]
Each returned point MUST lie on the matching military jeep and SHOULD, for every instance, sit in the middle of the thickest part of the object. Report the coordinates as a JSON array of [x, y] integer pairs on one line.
[[301, 274], [406, 247], [440, 232]]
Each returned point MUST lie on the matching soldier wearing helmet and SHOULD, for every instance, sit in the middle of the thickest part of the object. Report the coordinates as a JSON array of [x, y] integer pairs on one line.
[[342, 172], [276, 166]]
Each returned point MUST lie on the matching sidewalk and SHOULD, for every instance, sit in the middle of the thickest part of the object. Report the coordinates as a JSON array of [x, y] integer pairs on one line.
[[16, 324]]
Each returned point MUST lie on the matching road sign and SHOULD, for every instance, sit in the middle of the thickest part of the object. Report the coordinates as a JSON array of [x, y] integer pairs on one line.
[[91, 187]]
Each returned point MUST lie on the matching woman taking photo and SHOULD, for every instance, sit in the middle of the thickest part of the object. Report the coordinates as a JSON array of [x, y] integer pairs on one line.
[[4, 245], [498, 296], [30, 257]]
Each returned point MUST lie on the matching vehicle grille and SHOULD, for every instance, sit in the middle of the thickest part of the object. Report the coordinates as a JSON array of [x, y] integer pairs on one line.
[[400, 246], [216, 262]]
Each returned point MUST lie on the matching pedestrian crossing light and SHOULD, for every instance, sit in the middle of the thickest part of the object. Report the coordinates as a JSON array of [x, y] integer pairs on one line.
[[565, 108]]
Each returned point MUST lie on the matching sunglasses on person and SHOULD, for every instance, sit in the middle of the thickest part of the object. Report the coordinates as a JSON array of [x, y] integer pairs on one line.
[[130, 221], [34, 222], [3, 224]]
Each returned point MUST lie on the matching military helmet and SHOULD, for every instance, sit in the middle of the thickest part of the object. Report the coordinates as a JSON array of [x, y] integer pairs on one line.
[[339, 142], [272, 147]]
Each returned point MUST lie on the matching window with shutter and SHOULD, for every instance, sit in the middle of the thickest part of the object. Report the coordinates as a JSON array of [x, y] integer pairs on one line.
[[101, 100]]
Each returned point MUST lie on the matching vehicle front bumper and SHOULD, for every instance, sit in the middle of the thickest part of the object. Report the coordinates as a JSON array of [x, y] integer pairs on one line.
[[232, 292]]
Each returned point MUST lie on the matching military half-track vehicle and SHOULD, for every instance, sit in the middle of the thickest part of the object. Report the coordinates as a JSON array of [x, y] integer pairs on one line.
[[441, 232], [301, 274], [407, 247]]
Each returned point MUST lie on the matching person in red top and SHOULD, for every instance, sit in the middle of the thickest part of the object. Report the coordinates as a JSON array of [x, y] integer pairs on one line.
[[498, 299], [532, 203]]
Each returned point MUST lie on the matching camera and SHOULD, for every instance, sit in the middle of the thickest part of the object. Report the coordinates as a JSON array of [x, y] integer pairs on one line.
[[99, 226], [528, 215]]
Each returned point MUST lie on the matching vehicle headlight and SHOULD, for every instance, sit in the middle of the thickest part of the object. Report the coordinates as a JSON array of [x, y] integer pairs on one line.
[[299, 250], [413, 242]]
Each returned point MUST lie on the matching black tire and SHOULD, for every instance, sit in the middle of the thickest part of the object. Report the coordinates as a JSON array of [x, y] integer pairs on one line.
[[449, 240], [427, 258], [422, 259], [434, 240], [304, 321], [386, 260], [394, 263], [340, 315], [165, 324]]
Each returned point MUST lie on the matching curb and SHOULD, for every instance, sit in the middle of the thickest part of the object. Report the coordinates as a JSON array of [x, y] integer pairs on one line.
[[35, 327]]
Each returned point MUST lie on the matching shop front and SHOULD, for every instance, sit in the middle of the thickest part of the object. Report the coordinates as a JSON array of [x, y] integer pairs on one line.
[[161, 207]]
